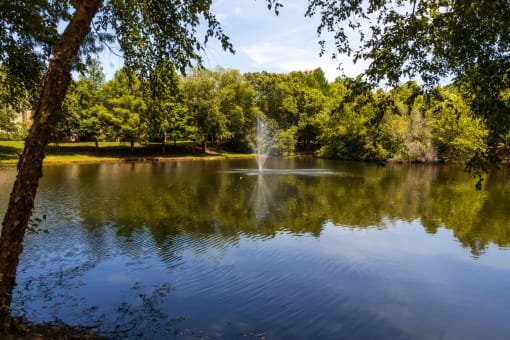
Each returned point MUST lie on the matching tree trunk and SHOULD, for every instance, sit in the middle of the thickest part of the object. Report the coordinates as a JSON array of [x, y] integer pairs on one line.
[[21, 203]]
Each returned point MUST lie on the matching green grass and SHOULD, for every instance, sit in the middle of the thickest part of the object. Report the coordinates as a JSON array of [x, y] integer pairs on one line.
[[93, 144], [10, 150], [109, 151], [77, 158], [115, 144]]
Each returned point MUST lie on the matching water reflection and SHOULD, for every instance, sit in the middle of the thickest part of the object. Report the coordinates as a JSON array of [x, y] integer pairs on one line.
[[204, 198], [210, 198], [357, 251]]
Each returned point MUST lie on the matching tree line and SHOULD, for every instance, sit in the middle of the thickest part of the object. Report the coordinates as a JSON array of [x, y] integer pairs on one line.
[[343, 119]]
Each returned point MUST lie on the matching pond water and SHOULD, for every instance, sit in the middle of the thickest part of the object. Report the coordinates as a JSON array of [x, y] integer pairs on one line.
[[310, 249]]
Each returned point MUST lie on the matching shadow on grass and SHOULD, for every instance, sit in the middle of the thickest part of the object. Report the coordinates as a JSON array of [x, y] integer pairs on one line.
[[9, 152], [125, 151]]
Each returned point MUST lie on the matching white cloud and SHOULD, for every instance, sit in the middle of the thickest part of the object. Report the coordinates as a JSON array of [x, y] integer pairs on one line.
[[271, 56], [284, 43]]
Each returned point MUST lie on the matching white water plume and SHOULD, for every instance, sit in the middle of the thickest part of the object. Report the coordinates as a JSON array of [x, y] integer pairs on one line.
[[262, 144]]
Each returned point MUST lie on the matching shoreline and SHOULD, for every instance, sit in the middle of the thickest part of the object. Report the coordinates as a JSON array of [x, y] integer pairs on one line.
[[53, 159], [83, 160]]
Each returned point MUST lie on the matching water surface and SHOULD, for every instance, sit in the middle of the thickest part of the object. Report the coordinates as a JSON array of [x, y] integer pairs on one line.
[[308, 249]]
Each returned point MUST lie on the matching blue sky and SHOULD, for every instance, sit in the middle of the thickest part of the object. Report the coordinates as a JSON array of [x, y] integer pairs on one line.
[[264, 41]]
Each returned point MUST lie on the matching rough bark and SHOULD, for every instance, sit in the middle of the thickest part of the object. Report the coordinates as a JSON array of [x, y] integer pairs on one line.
[[21, 203]]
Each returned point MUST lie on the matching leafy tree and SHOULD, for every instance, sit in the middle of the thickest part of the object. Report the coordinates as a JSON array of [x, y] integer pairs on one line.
[[124, 102], [346, 130], [417, 146], [284, 141], [30, 42], [7, 117], [310, 90], [201, 90], [467, 40], [406, 125], [97, 123], [12, 103], [456, 134], [83, 107], [167, 115], [69, 122], [274, 97], [237, 104]]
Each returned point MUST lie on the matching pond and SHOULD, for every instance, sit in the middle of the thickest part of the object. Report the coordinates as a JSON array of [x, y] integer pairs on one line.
[[309, 249]]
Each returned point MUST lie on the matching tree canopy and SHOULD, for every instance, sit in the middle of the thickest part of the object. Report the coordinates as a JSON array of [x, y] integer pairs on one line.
[[429, 38], [434, 39]]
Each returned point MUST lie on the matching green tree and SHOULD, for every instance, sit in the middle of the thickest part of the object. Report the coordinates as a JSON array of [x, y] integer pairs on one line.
[[237, 104], [69, 122], [201, 89], [84, 104], [284, 141], [124, 101], [310, 90], [167, 114], [274, 97], [293, 100], [406, 126], [347, 130], [456, 134], [30, 41], [12, 103], [467, 40]]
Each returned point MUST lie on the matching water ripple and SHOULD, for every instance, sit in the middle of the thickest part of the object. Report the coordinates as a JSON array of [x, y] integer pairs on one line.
[[297, 172]]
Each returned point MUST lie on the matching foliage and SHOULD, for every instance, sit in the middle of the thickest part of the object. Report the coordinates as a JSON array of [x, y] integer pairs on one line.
[[456, 134], [201, 92], [237, 103], [346, 130], [284, 141], [167, 115], [274, 97], [466, 40], [345, 119], [12, 104], [83, 109], [294, 99], [414, 130], [125, 104], [410, 38]]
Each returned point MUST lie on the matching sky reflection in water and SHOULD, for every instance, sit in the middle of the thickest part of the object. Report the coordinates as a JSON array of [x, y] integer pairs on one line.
[[209, 248]]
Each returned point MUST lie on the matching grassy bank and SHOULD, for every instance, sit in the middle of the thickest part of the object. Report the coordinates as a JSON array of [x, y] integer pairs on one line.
[[86, 152]]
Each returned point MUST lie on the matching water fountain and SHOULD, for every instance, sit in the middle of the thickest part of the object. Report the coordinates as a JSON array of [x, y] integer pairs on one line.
[[262, 199], [262, 144]]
